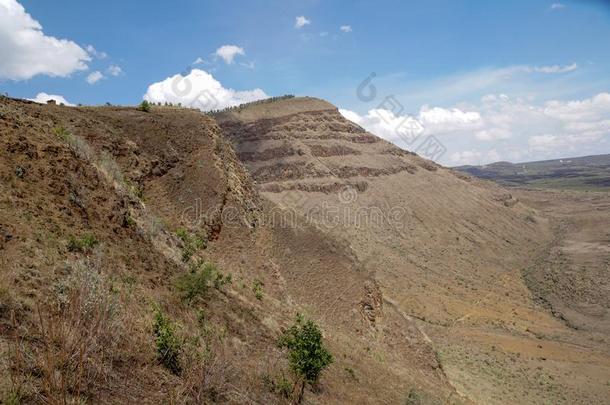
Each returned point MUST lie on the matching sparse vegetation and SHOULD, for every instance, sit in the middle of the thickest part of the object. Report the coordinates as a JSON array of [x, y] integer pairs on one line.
[[191, 243], [413, 398], [202, 276], [82, 244], [350, 371], [244, 105], [257, 288], [282, 386], [77, 337], [62, 133], [77, 144], [145, 106], [167, 342], [307, 355]]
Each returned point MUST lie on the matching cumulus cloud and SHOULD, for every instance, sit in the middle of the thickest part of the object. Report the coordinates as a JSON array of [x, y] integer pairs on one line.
[[229, 52], [510, 128], [396, 128], [26, 50], [42, 98], [442, 120], [201, 90], [94, 77], [346, 28], [300, 22], [401, 129], [114, 70]]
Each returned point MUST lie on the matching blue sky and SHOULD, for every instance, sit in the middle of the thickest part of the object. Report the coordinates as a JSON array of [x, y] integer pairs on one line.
[[445, 62]]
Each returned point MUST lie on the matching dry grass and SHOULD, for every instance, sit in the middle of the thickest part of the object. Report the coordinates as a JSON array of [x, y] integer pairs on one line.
[[68, 352], [207, 374]]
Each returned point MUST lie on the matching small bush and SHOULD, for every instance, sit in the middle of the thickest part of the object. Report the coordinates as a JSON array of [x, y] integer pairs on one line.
[[307, 355], [145, 106], [191, 244], [167, 342], [281, 387], [81, 332], [77, 144], [62, 133], [257, 288], [200, 279], [86, 243]]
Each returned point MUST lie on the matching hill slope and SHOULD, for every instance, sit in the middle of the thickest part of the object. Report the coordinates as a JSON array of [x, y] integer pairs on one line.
[[414, 272], [118, 196], [581, 173], [446, 250]]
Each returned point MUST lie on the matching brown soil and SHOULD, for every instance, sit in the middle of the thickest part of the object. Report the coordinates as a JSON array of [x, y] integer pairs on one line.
[[424, 280]]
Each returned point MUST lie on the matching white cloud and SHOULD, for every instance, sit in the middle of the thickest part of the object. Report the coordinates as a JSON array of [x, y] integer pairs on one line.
[[397, 129], [473, 157], [94, 77], [400, 129], [199, 90], [442, 120], [511, 128], [557, 6], [26, 50], [42, 98], [229, 52], [346, 28], [555, 68], [198, 61], [96, 53], [591, 109], [114, 70], [493, 134], [300, 22]]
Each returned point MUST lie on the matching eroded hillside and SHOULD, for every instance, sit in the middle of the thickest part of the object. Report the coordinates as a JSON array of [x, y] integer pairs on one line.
[[114, 206], [415, 273], [445, 249]]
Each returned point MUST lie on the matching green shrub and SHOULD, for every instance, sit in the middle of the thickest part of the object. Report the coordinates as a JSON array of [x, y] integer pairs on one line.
[[182, 234], [167, 342], [282, 386], [62, 133], [12, 398], [307, 355], [191, 244], [87, 242], [200, 279], [257, 288], [145, 106]]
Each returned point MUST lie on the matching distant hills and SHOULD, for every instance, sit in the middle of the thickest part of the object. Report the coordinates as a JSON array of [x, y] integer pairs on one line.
[[581, 173]]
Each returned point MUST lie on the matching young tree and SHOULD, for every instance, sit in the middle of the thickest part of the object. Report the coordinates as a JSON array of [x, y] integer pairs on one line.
[[307, 355], [145, 106]]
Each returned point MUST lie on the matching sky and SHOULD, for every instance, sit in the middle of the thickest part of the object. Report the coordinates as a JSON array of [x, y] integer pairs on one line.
[[484, 81]]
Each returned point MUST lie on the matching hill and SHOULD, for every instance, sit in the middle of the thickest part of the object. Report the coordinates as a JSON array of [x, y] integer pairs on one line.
[[581, 173], [418, 275]]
